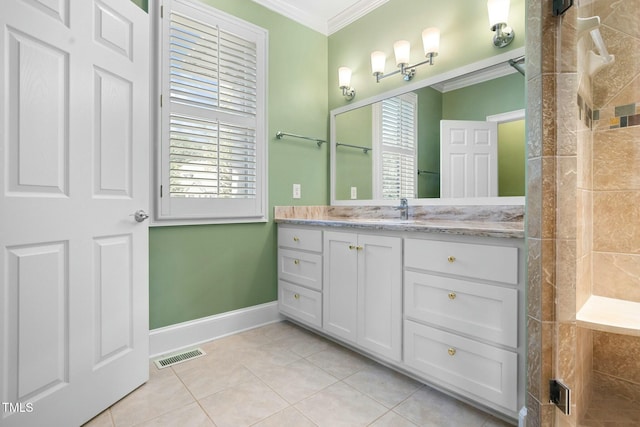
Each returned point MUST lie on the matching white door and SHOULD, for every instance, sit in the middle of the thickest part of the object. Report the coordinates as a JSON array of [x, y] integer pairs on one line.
[[74, 120], [468, 158], [380, 295]]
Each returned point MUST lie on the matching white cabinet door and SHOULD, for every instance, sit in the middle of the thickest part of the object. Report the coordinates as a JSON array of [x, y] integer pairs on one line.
[[74, 152], [340, 285], [362, 295], [379, 310]]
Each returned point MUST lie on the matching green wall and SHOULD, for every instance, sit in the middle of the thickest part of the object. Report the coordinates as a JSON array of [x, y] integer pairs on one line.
[[354, 168], [143, 4], [511, 158], [491, 97], [199, 271], [429, 116]]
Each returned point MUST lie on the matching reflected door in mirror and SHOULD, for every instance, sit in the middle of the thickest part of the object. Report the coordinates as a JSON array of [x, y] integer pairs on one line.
[[469, 159]]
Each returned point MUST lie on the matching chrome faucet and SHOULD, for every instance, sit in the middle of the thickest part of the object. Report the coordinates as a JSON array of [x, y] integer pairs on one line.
[[404, 208]]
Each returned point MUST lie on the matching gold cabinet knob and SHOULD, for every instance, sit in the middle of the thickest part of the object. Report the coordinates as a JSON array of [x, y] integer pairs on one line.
[[451, 259], [352, 247], [452, 295], [296, 261], [296, 296], [296, 239], [452, 351], [359, 248]]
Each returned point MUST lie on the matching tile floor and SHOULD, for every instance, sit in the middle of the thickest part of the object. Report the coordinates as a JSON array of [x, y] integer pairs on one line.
[[281, 375]]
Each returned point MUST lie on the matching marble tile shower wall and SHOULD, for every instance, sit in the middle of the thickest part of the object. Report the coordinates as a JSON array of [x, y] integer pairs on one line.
[[615, 193], [582, 201]]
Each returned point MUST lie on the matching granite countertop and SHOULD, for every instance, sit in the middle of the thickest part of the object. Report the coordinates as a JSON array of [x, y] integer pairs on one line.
[[483, 221]]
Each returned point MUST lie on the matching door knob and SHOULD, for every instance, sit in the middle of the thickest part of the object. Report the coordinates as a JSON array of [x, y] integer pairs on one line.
[[140, 215]]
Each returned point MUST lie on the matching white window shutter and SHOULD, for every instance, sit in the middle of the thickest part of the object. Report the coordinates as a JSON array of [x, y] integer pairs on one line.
[[213, 158], [395, 131]]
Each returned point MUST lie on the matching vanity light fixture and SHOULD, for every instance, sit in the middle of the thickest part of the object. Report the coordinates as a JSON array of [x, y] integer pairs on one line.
[[402, 50], [344, 82], [498, 16]]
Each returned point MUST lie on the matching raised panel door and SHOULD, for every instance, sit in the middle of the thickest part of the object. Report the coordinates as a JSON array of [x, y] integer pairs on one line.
[[74, 150], [469, 158]]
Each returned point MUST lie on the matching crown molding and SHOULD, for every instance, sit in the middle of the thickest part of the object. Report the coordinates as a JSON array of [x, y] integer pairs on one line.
[[296, 14], [352, 13], [317, 23]]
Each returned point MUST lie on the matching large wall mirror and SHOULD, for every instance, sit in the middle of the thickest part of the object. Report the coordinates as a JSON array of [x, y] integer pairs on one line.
[[455, 138]]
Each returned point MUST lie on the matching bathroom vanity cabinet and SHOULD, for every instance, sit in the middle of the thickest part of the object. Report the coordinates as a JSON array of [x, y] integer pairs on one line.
[[461, 316], [446, 309], [362, 293], [300, 274]]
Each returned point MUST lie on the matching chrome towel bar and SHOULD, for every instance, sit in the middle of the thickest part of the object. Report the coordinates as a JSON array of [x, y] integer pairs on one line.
[[281, 134], [365, 150]]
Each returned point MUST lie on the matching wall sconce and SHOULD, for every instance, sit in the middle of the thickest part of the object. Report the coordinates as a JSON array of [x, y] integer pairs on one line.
[[344, 82], [498, 16], [402, 50]]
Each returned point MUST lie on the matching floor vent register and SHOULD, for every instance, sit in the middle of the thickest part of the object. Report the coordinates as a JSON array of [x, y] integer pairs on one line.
[[174, 359]]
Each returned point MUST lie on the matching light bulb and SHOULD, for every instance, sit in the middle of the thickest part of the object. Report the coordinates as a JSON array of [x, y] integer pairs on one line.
[[431, 41], [344, 77], [402, 50], [498, 12], [378, 60]]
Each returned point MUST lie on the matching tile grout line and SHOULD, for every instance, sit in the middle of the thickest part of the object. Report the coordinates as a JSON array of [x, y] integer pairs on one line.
[[291, 405], [197, 401]]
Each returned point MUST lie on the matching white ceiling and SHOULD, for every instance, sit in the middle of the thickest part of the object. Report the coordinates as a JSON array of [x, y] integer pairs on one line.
[[324, 16]]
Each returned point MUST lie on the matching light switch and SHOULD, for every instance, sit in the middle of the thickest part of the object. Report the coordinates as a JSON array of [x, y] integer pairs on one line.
[[354, 193], [297, 192]]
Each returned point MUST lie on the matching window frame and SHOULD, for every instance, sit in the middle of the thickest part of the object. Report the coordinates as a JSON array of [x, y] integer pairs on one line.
[[214, 210]]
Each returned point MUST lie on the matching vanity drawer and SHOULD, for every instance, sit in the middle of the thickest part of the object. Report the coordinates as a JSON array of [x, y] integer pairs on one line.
[[488, 372], [300, 303], [300, 238], [301, 268], [497, 263], [483, 311]]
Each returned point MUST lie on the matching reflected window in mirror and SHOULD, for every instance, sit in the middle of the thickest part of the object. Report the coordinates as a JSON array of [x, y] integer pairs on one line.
[[395, 154]]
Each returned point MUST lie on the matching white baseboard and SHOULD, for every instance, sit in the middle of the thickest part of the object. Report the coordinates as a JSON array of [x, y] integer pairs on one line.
[[176, 337]]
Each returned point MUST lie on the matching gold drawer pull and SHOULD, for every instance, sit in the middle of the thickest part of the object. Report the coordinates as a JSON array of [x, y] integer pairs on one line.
[[452, 295], [296, 239], [452, 351], [296, 261], [296, 296], [451, 259]]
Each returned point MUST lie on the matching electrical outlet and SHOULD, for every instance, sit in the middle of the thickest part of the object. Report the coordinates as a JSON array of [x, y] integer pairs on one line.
[[354, 193], [297, 192]]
